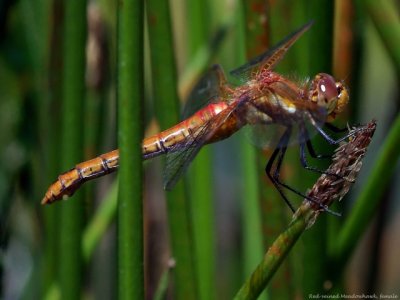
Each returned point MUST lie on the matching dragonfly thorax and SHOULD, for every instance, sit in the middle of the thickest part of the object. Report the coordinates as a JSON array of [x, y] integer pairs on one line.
[[329, 94]]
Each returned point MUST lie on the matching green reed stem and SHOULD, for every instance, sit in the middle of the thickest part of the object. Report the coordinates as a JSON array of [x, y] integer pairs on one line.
[[100, 222], [92, 234], [254, 39], [167, 112], [200, 174], [72, 140], [162, 287], [295, 62], [53, 140], [276, 254], [130, 134], [252, 228], [315, 243]]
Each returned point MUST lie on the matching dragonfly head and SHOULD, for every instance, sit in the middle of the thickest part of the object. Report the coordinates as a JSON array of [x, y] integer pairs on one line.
[[330, 94]]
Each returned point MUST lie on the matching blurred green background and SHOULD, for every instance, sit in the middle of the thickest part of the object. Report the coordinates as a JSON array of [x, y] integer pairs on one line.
[[232, 214]]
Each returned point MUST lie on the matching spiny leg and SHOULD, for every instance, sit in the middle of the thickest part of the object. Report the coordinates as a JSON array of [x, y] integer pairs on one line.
[[305, 140], [305, 165], [305, 137], [303, 156], [314, 154], [335, 129], [332, 141], [276, 178], [281, 150], [268, 170]]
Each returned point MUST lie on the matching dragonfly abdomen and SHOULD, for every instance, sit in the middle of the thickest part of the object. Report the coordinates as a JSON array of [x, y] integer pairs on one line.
[[164, 142], [178, 135], [68, 182]]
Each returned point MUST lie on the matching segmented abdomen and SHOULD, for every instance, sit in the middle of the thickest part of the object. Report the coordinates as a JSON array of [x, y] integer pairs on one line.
[[68, 182]]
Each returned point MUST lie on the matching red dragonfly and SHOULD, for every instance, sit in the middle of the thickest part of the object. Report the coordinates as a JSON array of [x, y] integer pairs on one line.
[[218, 109]]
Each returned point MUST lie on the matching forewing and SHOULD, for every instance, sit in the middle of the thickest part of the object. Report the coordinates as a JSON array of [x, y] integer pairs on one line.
[[208, 89], [271, 57], [179, 157]]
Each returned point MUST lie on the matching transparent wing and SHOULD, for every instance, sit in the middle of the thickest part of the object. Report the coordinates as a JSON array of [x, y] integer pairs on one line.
[[180, 156], [210, 88], [271, 57], [288, 108], [265, 136]]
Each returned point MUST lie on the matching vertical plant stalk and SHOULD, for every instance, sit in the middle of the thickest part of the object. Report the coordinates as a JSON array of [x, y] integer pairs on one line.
[[52, 151], [347, 164], [72, 142], [92, 234], [288, 281], [130, 135], [315, 243], [97, 81], [167, 111], [254, 38], [200, 174]]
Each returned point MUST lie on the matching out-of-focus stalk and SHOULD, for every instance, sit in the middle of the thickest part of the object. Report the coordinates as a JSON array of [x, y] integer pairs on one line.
[[52, 110], [167, 111], [296, 61], [200, 174], [255, 40], [130, 134], [321, 47], [72, 144]]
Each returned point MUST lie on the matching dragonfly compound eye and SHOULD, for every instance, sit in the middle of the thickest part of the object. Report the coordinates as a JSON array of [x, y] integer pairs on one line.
[[327, 90]]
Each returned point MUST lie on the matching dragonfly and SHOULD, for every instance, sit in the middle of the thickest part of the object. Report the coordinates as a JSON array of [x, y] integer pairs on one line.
[[218, 109]]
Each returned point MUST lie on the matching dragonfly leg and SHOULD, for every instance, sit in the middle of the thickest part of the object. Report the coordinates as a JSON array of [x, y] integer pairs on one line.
[[331, 140], [335, 129], [303, 157], [274, 176], [304, 163], [305, 137], [314, 154], [303, 160], [280, 149]]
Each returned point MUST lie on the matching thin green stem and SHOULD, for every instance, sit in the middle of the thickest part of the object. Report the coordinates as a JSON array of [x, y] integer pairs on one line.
[[252, 228], [200, 175], [162, 287], [72, 141], [130, 135], [276, 254], [94, 231], [52, 134], [167, 112], [296, 61], [315, 243], [100, 222], [254, 39]]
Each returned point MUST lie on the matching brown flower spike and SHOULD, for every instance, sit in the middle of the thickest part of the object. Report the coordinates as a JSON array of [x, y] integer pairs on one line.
[[346, 163]]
